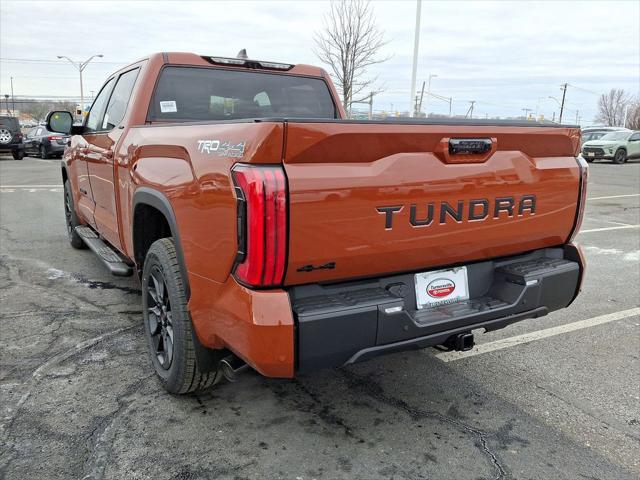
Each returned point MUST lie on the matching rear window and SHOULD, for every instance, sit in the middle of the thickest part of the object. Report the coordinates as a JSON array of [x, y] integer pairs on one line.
[[186, 94], [9, 122]]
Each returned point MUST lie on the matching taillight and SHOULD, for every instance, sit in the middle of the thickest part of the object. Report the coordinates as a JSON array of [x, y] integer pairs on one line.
[[262, 224], [582, 197], [53, 137]]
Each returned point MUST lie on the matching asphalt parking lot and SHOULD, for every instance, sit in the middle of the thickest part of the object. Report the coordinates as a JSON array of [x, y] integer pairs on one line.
[[79, 398]]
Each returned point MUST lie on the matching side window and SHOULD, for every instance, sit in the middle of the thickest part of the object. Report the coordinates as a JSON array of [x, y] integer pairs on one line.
[[119, 99], [635, 137], [94, 120]]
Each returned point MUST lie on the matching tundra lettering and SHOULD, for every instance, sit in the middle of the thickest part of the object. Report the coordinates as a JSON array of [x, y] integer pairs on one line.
[[476, 210], [249, 209]]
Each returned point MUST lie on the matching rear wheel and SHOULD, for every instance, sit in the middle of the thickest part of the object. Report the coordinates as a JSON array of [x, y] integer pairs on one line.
[[167, 323], [620, 156], [71, 218]]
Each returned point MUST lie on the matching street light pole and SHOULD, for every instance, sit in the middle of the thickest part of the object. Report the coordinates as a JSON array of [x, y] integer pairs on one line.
[[81, 66], [624, 120], [13, 99], [416, 43]]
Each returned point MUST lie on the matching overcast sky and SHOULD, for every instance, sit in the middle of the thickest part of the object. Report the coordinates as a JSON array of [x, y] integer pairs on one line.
[[505, 55]]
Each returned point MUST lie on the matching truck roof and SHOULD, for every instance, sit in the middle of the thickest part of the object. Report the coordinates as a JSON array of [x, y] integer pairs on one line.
[[187, 58]]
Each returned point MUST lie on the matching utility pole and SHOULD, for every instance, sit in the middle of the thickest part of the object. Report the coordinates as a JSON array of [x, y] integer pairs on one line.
[[416, 43], [371, 106], [577, 117], [564, 93], [526, 112], [13, 99], [81, 66], [421, 97], [450, 100], [469, 113], [428, 93]]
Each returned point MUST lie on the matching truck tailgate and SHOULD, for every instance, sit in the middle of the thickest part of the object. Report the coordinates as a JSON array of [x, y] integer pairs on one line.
[[368, 199]]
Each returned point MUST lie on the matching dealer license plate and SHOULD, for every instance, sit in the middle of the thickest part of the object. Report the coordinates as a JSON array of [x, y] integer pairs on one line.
[[591, 154], [441, 287]]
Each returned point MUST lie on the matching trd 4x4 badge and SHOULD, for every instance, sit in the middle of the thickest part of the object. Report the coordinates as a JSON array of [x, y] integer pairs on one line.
[[221, 148]]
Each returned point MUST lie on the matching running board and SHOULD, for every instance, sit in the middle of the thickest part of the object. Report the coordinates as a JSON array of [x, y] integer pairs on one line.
[[112, 259]]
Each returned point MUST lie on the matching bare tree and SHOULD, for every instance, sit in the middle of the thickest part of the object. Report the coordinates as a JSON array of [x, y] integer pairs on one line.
[[38, 109], [633, 116], [611, 107], [350, 43]]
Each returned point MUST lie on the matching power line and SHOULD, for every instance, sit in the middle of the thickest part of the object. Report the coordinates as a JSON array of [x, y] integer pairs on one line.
[[584, 89], [44, 60]]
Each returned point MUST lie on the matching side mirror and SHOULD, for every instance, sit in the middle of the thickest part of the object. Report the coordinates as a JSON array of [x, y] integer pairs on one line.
[[59, 122]]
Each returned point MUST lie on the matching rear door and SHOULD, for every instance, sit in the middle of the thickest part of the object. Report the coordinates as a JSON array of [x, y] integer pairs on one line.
[[30, 140], [367, 199], [633, 145], [98, 152]]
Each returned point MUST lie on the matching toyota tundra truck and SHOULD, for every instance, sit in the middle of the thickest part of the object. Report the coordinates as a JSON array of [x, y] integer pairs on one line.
[[269, 231]]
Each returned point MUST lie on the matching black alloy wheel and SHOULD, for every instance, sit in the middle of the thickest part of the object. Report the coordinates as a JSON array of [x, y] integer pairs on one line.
[[620, 156], [160, 318]]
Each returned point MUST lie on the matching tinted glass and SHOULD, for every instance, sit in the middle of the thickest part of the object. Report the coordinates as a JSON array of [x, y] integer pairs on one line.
[[196, 94], [615, 136], [119, 100], [94, 121], [9, 122]]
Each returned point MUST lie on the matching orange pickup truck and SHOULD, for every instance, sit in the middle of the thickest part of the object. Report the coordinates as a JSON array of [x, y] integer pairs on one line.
[[268, 231]]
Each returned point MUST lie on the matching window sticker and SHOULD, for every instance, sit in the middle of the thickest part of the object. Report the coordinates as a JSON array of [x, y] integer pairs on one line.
[[168, 106]]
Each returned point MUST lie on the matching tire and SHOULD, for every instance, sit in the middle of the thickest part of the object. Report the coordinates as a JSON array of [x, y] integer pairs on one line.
[[71, 218], [620, 156], [43, 153], [167, 323], [17, 154]]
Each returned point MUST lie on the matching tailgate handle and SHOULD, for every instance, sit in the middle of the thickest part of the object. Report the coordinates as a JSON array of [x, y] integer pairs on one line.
[[466, 150], [469, 146]]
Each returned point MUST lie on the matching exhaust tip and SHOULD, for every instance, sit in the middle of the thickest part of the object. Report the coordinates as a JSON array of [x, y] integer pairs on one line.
[[231, 366]]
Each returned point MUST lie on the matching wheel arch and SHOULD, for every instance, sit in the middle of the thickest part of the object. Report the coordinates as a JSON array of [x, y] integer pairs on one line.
[[144, 199], [65, 174]]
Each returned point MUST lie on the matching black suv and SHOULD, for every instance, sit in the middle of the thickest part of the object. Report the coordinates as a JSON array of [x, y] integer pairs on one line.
[[11, 137]]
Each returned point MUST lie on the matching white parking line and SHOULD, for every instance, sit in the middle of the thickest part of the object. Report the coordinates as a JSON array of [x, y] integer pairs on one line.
[[530, 337], [605, 229], [614, 196], [30, 186]]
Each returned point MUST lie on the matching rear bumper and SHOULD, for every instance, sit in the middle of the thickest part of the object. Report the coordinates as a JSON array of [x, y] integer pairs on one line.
[[350, 322], [10, 147], [55, 148]]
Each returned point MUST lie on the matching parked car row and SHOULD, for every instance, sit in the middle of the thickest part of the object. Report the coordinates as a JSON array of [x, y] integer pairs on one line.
[[39, 142]]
